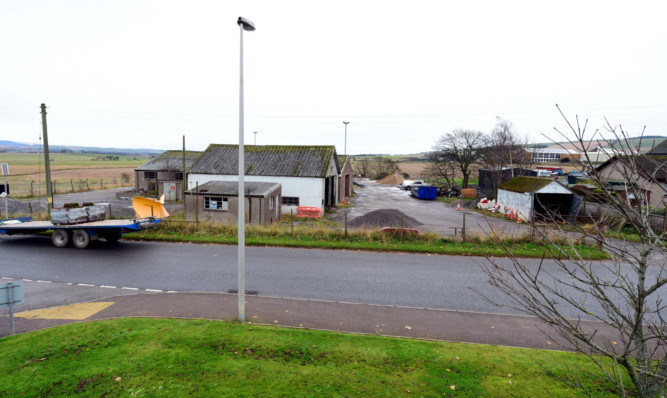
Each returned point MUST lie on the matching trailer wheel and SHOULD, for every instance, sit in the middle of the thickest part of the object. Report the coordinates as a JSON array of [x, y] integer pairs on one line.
[[60, 238], [81, 239]]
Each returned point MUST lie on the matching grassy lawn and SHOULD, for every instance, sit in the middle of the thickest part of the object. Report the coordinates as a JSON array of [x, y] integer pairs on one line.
[[165, 357], [326, 237]]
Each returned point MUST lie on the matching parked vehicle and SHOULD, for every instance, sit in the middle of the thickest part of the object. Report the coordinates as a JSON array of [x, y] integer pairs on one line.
[[408, 184], [72, 226], [552, 170], [540, 173]]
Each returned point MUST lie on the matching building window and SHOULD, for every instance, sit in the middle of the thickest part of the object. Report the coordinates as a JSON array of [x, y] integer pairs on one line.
[[271, 199], [150, 175], [178, 176], [290, 201], [212, 203]]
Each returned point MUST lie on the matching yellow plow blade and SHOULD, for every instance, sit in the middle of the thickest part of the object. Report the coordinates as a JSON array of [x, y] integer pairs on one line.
[[145, 207]]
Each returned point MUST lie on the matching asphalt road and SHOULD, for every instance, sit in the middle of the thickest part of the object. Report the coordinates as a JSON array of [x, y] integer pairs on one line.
[[61, 276]]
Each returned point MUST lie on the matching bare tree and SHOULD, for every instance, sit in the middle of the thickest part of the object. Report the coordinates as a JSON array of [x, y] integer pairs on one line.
[[384, 165], [462, 147], [363, 166], [504, 150], [440, 167], [623, 292]]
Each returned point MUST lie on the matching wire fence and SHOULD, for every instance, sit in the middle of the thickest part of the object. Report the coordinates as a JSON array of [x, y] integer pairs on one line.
[[593, 211], [33, 189]]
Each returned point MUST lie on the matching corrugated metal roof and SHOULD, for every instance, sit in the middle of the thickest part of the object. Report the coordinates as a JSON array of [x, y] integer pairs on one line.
[[171, 161], [267, 160], [231, 188], [525, 184]]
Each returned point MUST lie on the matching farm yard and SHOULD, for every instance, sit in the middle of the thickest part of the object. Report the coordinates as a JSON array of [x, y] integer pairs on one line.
[[70, 172]]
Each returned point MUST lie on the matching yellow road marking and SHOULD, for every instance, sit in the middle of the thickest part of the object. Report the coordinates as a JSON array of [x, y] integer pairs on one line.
[[75, 312]]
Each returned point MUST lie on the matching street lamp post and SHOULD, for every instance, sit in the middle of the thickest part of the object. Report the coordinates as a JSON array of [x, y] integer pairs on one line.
[[346, 123], [244, 24]]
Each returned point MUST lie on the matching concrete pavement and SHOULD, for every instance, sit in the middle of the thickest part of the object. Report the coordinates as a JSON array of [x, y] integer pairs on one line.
[[421, 323]]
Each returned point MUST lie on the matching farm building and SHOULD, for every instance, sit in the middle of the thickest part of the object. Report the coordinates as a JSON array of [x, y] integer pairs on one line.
[[649, 185], [546, 155], [659, 150], [345, 178], [308, 174], [164, 174], [528, 197], [217, 201]]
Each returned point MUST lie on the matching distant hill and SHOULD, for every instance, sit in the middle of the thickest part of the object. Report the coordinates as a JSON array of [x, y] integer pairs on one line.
[[12, 146], [10, 143]]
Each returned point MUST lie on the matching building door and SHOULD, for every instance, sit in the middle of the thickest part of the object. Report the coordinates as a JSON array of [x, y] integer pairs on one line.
[[169, 191], [327, 192]]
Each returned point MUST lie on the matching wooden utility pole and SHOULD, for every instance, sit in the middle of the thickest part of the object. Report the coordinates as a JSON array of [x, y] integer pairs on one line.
[[47, 162]]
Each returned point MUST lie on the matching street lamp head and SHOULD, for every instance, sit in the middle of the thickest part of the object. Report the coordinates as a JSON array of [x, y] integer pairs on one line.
[[246, 24], [346, 122]]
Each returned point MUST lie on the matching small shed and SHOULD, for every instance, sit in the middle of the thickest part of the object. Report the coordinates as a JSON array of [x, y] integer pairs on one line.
[[217, 201], [528, 198]]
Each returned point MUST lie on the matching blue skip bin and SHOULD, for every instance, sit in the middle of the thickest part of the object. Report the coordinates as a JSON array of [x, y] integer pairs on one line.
[[425, 192]]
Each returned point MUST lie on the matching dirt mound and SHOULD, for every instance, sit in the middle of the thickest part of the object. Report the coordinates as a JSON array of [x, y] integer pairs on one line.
[[392, 179], [384, 218]]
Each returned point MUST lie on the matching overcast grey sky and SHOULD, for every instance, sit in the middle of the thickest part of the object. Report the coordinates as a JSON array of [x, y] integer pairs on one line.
[[143, 73]]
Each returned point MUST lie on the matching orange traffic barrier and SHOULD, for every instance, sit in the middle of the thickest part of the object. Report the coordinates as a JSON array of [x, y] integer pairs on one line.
[[310, 212]]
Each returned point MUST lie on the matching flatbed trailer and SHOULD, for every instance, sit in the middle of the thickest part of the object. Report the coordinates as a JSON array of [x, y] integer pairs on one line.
[[80, 235]]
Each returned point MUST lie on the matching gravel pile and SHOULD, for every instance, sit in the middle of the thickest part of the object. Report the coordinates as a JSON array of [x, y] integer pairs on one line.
[[393, 179], [384, 218]]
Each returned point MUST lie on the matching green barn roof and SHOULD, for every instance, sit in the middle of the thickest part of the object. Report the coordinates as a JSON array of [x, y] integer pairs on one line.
[[171, 161], [526, 184], [268, 160]]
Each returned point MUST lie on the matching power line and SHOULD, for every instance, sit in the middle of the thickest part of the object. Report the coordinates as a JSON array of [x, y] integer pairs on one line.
[[379, 116]]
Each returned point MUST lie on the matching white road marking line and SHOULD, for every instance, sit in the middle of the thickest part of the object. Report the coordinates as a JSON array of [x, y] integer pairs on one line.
[[91, 285]]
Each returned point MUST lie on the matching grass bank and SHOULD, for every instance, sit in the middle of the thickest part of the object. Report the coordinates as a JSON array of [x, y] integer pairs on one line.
[[163, 357], [325, 236]]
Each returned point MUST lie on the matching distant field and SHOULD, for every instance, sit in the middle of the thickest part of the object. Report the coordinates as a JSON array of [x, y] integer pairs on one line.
[[415, 169], [31, 163], [70, 172]]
